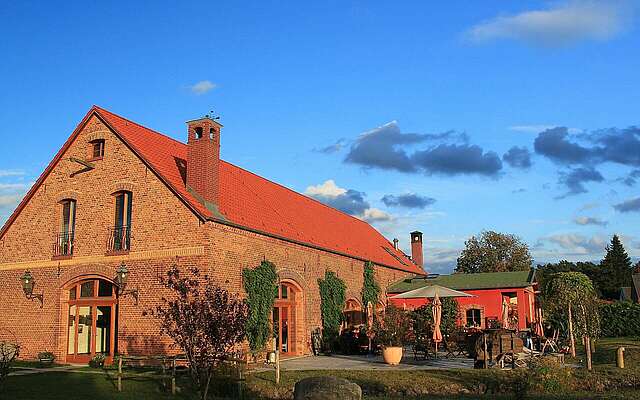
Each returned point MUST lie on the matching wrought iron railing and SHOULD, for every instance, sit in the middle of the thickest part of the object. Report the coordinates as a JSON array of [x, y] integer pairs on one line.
[[119, 239], [63, 245]]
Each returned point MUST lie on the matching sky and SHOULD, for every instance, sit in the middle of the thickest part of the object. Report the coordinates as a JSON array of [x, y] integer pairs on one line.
[[446, 117]]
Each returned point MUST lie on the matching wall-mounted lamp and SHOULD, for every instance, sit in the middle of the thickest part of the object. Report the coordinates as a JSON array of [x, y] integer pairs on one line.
[[28, 284], [122, 275]]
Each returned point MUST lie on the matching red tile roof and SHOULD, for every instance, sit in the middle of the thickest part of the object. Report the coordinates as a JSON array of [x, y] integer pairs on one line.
[[252, 202]]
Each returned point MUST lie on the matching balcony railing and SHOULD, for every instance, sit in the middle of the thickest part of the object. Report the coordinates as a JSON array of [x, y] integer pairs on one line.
[[63, 244], [119, 239]]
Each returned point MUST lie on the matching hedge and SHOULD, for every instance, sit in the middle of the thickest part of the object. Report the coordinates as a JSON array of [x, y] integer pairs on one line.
[[620, 318]]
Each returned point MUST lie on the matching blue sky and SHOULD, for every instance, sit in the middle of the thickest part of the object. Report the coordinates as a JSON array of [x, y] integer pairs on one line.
[[449, 118]]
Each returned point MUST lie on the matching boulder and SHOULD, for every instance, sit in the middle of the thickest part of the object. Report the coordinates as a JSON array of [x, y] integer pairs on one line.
[[326, 388]]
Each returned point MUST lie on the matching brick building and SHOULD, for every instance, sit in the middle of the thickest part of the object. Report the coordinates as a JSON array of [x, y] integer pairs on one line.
[[120, 193]]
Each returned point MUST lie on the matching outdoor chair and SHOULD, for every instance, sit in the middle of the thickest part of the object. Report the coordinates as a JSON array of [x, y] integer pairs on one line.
[[421, 347]]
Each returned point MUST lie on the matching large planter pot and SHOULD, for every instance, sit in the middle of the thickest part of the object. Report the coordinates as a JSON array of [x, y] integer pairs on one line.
[[392, 355]]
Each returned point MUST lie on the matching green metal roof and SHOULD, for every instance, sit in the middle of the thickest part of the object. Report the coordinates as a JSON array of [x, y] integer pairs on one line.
[[484, 280]]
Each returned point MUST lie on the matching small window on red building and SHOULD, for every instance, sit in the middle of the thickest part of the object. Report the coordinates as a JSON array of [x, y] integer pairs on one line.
[[97, 149], [474, 318]]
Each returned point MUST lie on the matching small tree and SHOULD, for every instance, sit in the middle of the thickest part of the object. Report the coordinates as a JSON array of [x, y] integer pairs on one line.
[[204, 320], [494, 252], [261, 285], [572, 298], [332, 300]]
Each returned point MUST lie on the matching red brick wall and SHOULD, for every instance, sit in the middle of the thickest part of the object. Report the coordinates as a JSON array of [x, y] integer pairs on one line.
[[164, 232]]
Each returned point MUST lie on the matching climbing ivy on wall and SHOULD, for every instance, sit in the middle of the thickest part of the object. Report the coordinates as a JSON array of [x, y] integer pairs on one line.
[[332, 299], [261, 285], [370, 287]]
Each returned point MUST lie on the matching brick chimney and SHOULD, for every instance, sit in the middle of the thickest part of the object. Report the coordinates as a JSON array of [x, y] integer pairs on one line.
[[203, 159], [416, 248]]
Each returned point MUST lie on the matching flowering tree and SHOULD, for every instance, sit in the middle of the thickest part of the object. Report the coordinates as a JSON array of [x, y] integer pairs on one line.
[[203, 319]]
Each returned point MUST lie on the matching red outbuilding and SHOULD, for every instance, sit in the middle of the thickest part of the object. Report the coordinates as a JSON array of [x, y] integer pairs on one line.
[[490, 291]]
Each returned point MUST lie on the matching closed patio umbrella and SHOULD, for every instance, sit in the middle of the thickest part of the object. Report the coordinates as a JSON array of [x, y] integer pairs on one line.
[[437, 317], [505, 313], [537, 327]]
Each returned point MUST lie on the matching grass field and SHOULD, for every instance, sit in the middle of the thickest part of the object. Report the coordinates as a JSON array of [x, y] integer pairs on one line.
[[605, 382]]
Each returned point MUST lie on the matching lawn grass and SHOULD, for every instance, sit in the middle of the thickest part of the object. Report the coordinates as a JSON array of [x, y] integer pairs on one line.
[[605, 382]]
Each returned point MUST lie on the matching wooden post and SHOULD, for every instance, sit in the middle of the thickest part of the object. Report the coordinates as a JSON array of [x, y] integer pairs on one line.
[[587, 348], [173, 376], [484, 338], [572, 340], [277, 366], [241, 366], [120, 374], [620, 357]]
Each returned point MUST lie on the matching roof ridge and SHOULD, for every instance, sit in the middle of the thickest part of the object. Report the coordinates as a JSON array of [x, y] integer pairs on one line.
[[100, 109]]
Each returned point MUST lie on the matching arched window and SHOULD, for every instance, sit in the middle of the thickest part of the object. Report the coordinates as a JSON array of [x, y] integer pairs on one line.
[[65, 237], [120, 234], [474, 317], [198, 132]]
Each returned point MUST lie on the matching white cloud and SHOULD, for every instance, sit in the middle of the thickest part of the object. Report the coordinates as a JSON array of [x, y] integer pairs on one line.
[[562, 24], [202, 87], [10, 200], [375, 215], [570, 244], [10, 172], [327, 189], [590, 221], [13, 186]]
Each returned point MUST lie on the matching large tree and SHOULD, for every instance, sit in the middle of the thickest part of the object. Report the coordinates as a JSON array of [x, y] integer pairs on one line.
[[494, 252], [616, 269]]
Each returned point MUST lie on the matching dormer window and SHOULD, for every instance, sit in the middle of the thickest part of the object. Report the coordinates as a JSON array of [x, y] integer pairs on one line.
[[198, 131], [97, 149]]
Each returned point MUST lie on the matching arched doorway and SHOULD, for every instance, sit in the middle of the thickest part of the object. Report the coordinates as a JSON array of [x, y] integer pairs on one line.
[[91, 323], [353, 314], [285, 317]]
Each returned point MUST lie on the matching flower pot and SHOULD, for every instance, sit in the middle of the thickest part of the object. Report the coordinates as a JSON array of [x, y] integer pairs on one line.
[[392, 355]]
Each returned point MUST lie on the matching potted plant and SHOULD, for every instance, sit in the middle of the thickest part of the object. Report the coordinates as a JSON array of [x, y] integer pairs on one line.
[[46, 357], [392, 333]]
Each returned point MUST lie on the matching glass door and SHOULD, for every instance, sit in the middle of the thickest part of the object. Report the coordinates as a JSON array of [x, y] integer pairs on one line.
[[91, 321]]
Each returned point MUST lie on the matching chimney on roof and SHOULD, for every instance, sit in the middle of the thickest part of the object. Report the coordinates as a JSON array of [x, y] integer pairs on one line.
[[416, 248], [395, 243], [203, 159]]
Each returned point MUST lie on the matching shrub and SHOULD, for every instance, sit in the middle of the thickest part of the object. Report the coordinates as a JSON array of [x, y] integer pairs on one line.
[[97, 361], [8, 353], [620, 318], [393, 330], [542, 375], [422, 318]]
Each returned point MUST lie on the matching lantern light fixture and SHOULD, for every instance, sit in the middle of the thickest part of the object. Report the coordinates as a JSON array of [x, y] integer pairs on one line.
[[122, 276], [28, 284]]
